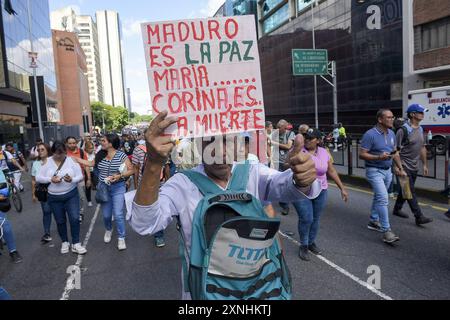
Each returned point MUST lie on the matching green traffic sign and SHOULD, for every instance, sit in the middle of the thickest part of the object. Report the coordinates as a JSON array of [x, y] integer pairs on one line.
[[306, 62]]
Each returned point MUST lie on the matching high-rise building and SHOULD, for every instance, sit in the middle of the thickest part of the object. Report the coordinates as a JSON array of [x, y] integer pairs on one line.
[[64, 19], [363, 37], [88, 37], [427, 44], [71, 71], [84, 26], [129, 100], [18, 106], [111, 60]]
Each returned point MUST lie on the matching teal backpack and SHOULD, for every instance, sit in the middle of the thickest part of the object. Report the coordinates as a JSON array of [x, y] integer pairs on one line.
[[235, 254]]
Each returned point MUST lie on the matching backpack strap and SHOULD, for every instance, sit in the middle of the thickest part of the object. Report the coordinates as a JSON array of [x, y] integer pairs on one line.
[[203, 183], [240, 177]]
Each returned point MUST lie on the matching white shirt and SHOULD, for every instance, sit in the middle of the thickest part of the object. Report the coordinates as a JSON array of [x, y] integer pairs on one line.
[[180, 197], [4, 157], [70, 168]]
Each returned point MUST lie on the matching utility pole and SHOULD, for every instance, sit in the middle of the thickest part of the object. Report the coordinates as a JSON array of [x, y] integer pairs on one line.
[[38, 105], [335, 97], [316, 103]]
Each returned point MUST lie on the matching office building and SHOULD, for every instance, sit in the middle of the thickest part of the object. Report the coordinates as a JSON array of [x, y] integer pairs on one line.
[[18, 106], [426, 37], [111, 59], [71, 70], [84, 26], [363, 37]]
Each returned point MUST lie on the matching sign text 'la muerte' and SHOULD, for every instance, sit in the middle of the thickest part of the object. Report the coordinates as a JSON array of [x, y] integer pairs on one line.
[[206, 73]]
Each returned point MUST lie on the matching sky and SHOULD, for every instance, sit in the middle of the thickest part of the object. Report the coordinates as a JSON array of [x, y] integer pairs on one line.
[[132, 13]]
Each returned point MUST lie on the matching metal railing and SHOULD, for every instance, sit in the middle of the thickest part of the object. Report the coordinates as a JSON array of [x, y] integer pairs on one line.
[[348, 156]]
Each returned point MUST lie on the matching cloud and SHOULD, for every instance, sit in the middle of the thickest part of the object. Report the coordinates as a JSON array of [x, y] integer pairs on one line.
[[140, 101], [132, 28], [211, 7]]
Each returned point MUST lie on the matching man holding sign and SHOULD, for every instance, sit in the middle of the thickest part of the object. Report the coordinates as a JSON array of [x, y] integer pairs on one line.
[[218, 203]]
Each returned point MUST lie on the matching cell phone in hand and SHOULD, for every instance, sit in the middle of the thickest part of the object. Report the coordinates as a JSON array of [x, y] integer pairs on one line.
[[395, 151]]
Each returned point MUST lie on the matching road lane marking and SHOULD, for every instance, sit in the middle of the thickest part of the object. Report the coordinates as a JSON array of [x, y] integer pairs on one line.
[[344, 272], [371, 193], [70, 283]]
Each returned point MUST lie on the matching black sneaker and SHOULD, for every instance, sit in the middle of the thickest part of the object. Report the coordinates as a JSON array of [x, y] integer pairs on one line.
[[401, 214], [314, 249], [46, 238], [303, 253], [375, 226], [447, 214], [81, 217], [285, 212], [15, 257], [423, 220]]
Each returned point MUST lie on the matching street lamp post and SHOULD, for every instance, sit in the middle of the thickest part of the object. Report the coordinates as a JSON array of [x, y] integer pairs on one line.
[[38, 104], [316, 103]]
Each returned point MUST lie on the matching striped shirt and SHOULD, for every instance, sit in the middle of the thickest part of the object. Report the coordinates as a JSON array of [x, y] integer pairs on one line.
[[109, 168], [139, 158]]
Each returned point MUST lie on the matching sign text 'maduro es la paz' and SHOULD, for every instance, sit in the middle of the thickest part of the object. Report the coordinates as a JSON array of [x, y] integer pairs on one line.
[[206, 73]]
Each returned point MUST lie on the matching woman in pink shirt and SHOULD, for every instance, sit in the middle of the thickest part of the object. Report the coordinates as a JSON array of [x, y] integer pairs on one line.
[[309, 211]]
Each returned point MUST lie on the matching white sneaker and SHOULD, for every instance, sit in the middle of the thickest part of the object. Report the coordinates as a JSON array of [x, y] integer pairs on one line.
[[78, 249], [65, 248], [90, 204], [107, 237], [122, 245]]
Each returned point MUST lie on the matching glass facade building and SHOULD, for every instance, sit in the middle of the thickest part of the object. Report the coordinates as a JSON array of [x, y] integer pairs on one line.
[[237, 8], [17, 44], [16, 35], [364, 39]]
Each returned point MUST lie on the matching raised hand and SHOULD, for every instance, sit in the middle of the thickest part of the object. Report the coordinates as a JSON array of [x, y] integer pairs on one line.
[[302, 164], [159, 146]]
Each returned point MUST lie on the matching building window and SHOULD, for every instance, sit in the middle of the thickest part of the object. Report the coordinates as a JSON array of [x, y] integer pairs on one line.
[[269, 5], [433, 35], [302, 4], [276, 19]]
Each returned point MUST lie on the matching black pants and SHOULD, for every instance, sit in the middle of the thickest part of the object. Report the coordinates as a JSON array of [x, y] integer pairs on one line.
[[413, 203], [88, 190]]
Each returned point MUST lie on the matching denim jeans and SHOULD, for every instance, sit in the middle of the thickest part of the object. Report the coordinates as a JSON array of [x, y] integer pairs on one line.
[[4, 295], [115, 207], [47, 217], [309, 212], [413, 203], [69, 204], [380, 181], [8, 234]]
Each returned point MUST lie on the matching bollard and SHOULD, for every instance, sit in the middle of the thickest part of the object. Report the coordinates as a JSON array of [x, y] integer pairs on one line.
[[350, 156]]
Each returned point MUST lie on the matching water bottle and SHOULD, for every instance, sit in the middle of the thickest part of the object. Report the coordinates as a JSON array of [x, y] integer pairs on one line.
[[430, 136]]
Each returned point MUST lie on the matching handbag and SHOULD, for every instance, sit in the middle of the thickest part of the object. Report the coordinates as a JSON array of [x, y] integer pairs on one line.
[[41, 189], [102, 194]]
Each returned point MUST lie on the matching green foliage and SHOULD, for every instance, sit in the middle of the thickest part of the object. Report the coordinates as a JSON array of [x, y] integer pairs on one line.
[[115, 118]]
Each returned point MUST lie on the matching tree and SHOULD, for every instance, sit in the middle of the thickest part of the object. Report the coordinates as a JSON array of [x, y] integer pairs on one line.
[[115, 118], [119, 118]]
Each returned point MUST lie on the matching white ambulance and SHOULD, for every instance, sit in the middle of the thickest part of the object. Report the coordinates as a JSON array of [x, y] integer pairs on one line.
[[437, 119]]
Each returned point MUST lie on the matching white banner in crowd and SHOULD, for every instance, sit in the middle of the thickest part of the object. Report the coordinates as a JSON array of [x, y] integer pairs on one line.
[[205, 72]]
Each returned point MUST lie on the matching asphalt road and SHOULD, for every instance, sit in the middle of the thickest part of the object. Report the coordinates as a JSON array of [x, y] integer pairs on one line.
[[417, 267]]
